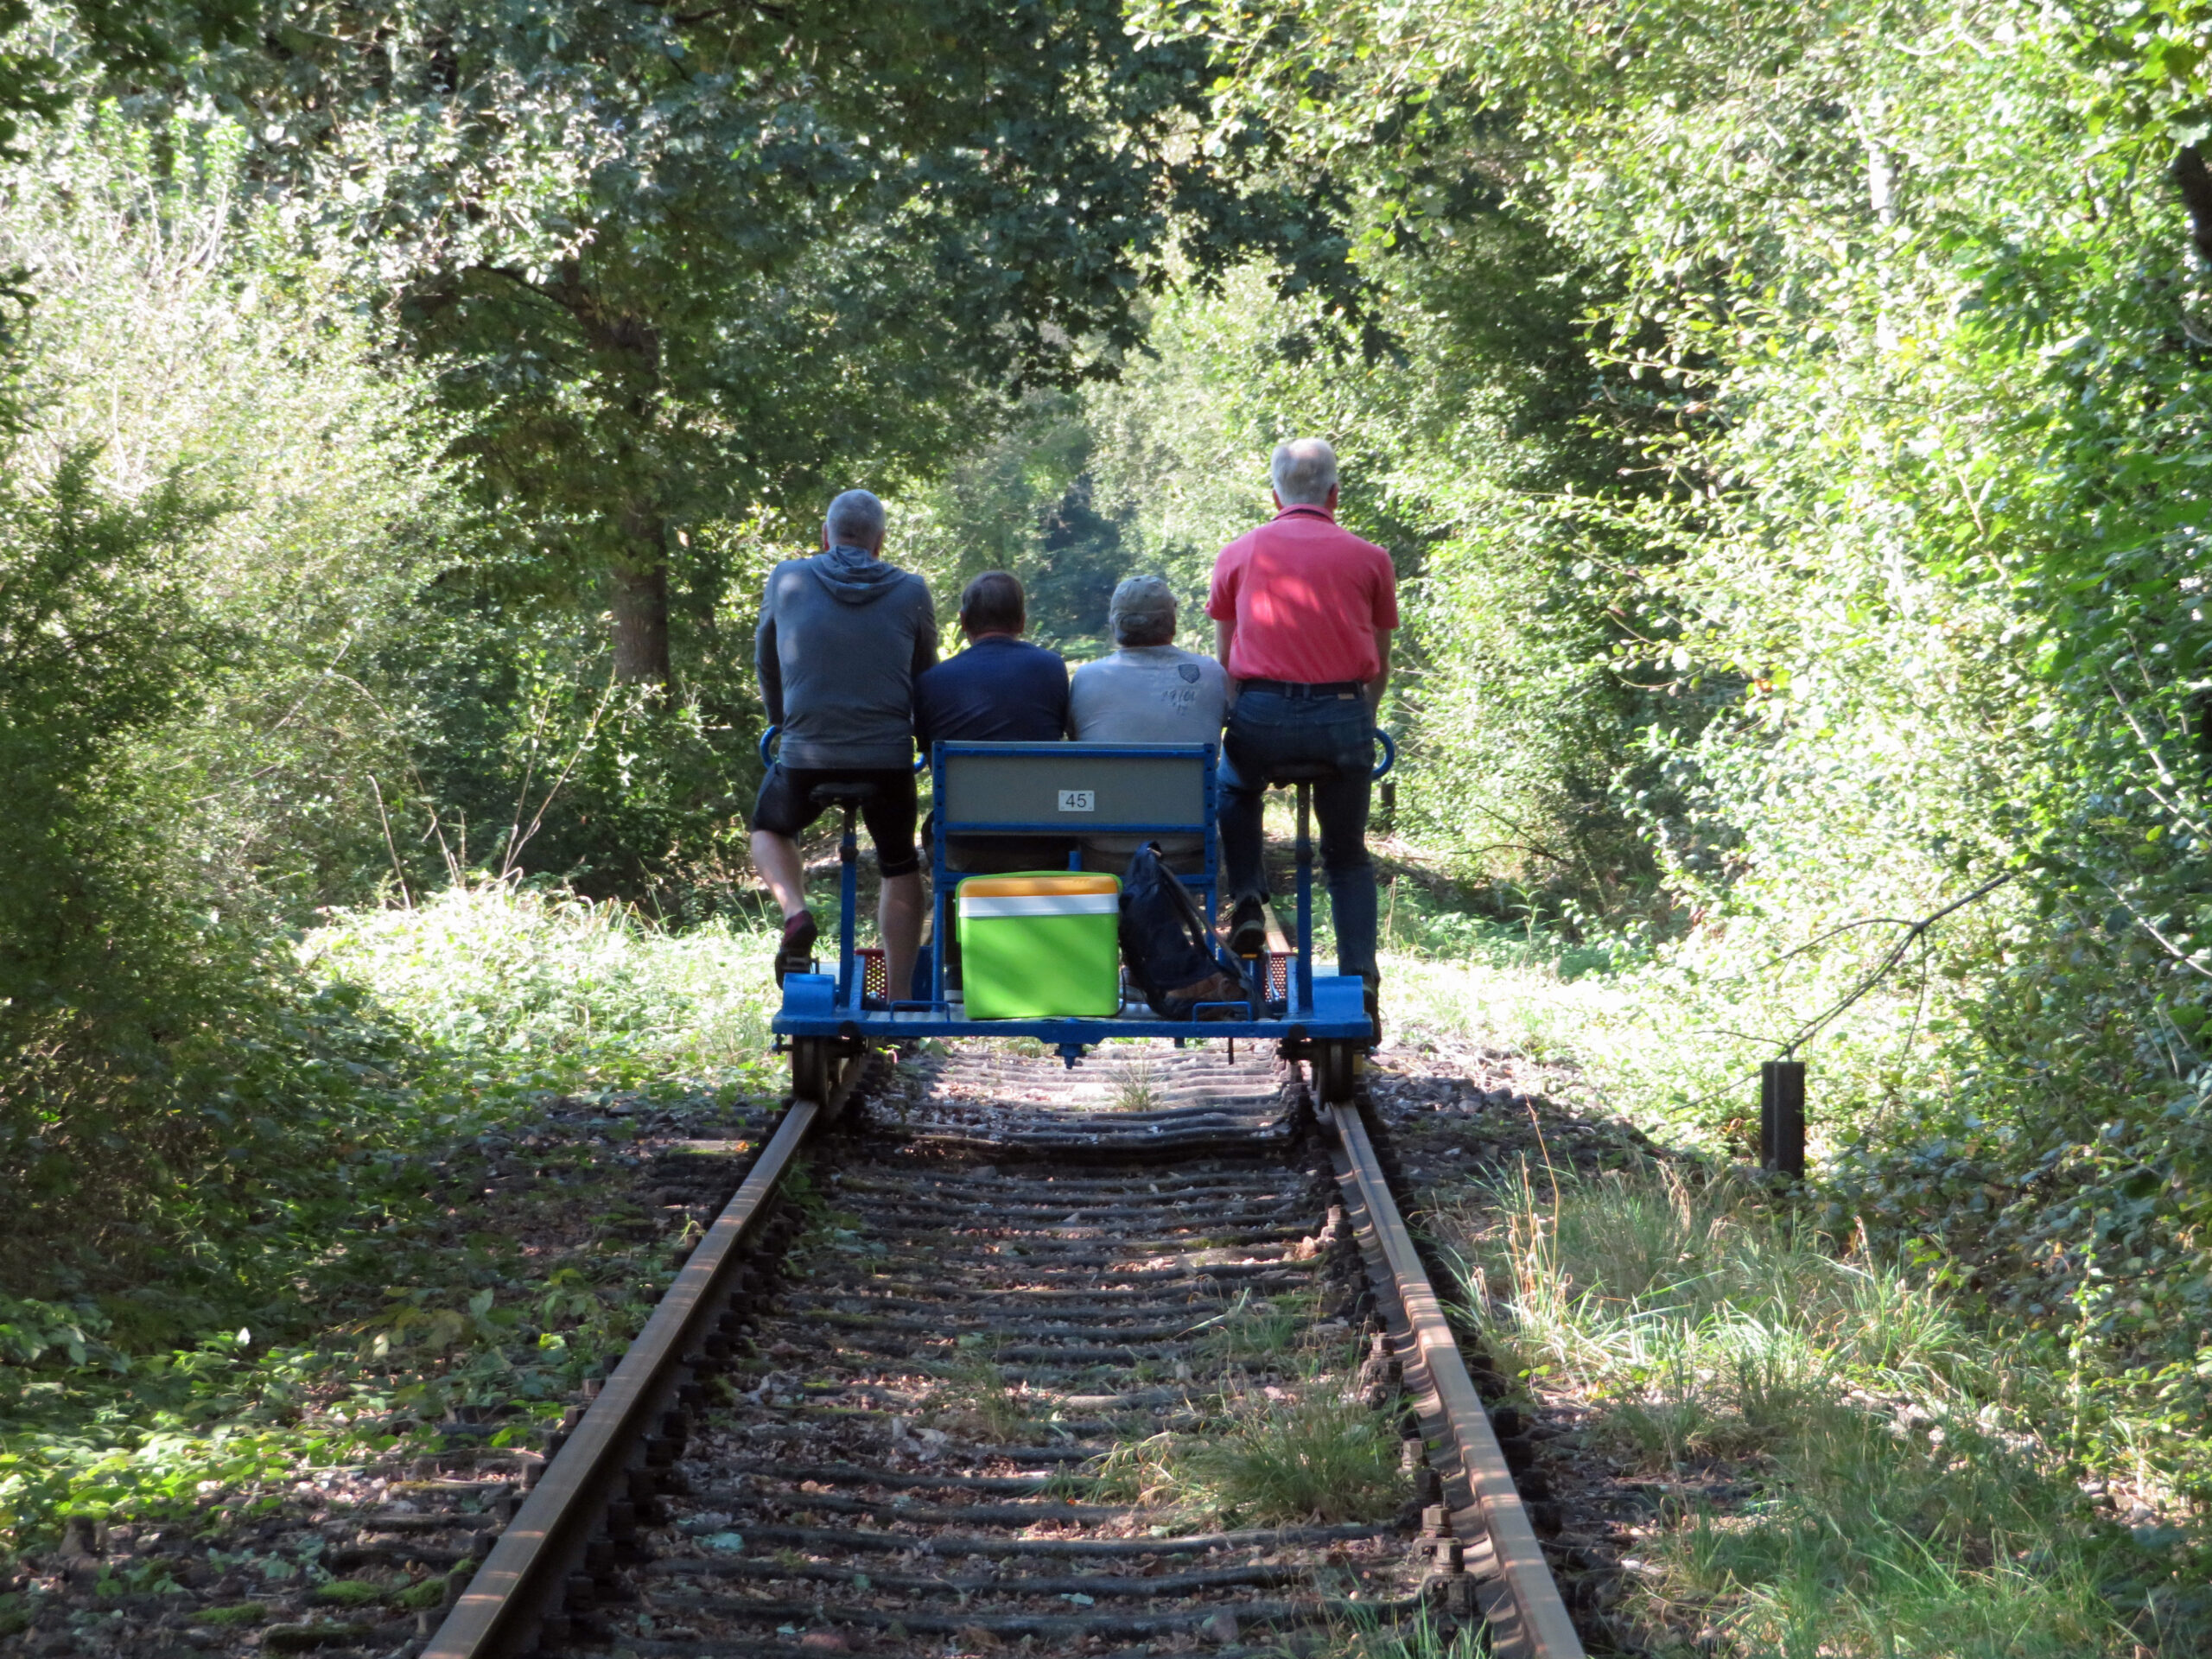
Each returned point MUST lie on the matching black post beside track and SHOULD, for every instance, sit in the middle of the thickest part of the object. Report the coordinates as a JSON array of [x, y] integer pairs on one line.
[[1121, 1216], [1781, 1116]]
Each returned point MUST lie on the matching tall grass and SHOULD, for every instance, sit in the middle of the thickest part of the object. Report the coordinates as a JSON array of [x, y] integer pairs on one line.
[[589, 990], [1267, 1463], [1897, 1513]]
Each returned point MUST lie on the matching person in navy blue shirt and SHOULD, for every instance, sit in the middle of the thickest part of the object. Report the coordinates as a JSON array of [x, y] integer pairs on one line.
[[1002, 688]]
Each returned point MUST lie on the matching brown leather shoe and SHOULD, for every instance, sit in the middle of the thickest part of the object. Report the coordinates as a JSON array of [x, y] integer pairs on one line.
[[1218, 987], [795, 955]]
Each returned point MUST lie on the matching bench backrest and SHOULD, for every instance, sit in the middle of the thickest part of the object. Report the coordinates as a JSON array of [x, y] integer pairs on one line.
[[1074, 789]]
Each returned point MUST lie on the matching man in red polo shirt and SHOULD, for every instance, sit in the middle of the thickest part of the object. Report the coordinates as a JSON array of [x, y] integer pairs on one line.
[[1303, 612]]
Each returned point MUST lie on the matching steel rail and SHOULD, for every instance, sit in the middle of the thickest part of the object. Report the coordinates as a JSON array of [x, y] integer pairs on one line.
[[1520, 1600], [525, 1577]]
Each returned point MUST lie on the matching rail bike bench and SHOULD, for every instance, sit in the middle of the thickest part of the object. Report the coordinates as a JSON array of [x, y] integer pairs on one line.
[[1077, 792]]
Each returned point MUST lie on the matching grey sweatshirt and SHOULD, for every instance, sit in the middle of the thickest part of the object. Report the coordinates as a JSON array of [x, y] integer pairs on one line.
[[841, 637]]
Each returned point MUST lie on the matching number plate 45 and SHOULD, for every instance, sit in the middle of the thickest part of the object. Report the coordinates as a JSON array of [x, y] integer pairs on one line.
[[1079, 800]]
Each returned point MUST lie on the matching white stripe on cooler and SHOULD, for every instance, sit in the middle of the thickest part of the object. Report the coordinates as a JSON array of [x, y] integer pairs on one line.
[[977, 907]]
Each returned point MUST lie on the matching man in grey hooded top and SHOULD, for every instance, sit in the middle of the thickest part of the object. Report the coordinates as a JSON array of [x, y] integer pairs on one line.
[[843, 636]]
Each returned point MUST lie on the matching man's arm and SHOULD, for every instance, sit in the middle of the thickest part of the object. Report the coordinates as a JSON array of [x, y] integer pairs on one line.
[[923, 660], [768, 665], [1224, 641], [924, 644], [1382, 673]]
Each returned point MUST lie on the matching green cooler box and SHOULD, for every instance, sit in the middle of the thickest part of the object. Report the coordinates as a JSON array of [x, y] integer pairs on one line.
[[1040, 944]]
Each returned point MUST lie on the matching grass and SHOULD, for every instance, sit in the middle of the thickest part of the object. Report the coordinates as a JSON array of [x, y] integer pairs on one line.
[[592, 991], [1307, 1456], [976, 1395], [1318, 1459], [361, 1301], [1135, 1086], [1311, 1460], [1680, 1029], [1263, 1330], [1900, 1506], [1363, 1636]]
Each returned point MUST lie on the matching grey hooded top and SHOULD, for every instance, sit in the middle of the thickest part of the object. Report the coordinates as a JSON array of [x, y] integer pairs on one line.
[[841, 637]]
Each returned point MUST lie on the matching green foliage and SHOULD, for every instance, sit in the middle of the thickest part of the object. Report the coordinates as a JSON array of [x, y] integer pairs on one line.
[[575, 989], [209, 506], [116, 993], [1905, 1499], [1885, 511], [38, 43], [1023, 502], [238, 1612], [1318, 1460], [681, 265], [329, 1303], [1513, 729]]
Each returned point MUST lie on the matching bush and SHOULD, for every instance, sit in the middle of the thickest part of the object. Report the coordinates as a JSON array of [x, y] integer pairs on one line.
[[209, 496]]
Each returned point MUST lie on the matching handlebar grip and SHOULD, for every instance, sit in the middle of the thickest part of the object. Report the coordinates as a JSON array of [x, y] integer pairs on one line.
[[1389, 752]]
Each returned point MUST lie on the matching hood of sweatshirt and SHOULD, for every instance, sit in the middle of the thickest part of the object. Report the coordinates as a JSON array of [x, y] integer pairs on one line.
[[855, 575]]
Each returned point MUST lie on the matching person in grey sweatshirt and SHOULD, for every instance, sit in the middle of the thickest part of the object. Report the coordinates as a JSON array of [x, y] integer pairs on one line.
[[843, 636]]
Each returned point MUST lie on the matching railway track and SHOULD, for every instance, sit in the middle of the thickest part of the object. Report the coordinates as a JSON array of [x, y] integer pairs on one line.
[[1000, 1355]]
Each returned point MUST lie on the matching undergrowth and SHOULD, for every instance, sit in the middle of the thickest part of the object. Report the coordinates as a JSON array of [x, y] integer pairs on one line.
[[1272, 1463], [1910, 1489], [360, 1285], [1287, 1441], [2053, 1192]]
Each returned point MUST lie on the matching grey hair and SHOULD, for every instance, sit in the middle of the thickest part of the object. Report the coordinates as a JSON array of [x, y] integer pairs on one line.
[[1146, 628], [1305, 472], [854, 519]]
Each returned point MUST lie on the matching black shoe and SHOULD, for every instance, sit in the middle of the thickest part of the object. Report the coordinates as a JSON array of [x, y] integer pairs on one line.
[[796, 954], [1248, 928]]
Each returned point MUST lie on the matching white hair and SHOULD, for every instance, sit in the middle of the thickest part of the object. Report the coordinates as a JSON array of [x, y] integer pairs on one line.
[[854, 519], [1305, 472]]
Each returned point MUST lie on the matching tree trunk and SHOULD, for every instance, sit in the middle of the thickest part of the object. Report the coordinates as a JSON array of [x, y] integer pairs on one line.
[[2194, 180], [641, 625]]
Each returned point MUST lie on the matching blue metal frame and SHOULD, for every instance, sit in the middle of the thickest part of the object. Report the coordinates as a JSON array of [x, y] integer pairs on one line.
[[1328, 1008], [942, 881]]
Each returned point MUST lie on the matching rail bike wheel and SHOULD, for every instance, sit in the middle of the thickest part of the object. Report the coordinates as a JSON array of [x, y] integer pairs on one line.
[[1336, 1072], [814, 1068]]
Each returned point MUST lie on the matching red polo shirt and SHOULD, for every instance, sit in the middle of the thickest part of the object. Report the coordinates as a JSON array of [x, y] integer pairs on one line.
[[1307, 598]]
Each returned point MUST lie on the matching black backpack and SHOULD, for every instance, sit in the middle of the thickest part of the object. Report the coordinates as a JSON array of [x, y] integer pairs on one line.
[[1169, 949]]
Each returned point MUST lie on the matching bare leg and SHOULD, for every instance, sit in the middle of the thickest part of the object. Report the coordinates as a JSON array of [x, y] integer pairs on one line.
[[777, 859], [899, 916]]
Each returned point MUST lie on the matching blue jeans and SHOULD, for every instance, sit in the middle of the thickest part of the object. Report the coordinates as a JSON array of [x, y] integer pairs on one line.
[[1268, 729]]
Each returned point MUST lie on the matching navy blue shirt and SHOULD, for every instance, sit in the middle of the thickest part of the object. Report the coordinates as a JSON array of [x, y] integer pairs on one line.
[[1001, 690]]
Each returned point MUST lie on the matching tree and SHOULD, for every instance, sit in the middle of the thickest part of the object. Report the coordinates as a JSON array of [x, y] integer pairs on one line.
[[681, 264], [37, 42]]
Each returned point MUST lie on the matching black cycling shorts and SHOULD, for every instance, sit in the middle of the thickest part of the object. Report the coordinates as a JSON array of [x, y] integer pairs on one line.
[[786, 807]]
